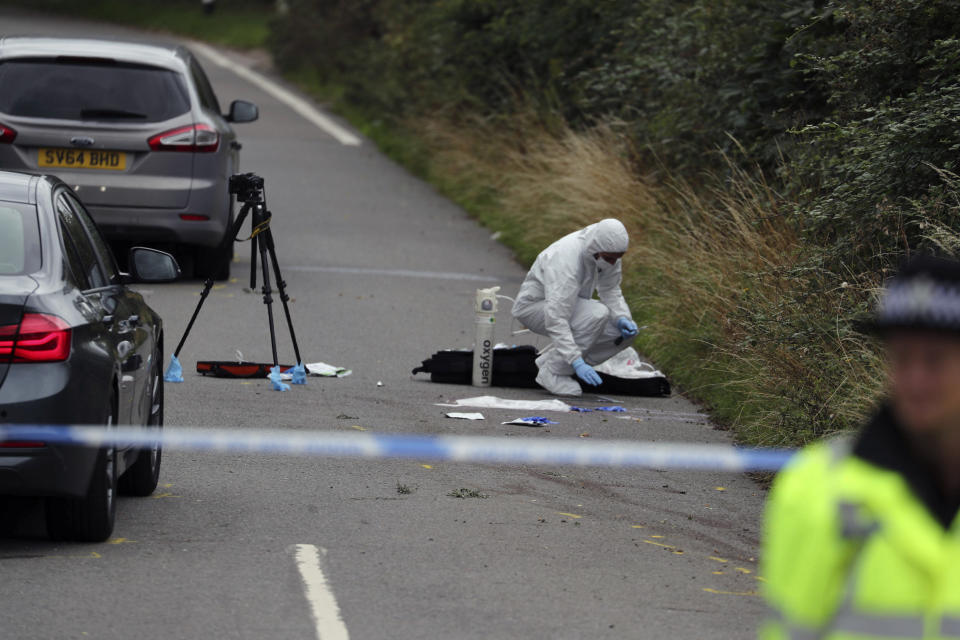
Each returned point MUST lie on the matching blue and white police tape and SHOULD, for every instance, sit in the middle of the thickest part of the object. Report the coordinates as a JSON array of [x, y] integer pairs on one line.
[[442, 448]]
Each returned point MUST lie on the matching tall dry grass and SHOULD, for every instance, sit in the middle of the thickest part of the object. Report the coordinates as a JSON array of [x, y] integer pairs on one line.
[[740, 315]]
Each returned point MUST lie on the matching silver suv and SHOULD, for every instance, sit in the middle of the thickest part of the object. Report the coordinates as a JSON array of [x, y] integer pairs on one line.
[[134, 129]]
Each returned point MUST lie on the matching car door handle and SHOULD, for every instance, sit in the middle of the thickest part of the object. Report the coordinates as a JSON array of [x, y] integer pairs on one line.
[[133, 320], [107, 320]]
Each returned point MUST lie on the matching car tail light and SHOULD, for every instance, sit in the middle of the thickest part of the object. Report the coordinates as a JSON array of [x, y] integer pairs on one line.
[[194, 217], [198, 138], [21, 444], [40, 338], [7, 135]]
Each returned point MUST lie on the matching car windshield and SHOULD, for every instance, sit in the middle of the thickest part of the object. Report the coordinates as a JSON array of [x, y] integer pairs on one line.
[[19, 239], [84, 89]]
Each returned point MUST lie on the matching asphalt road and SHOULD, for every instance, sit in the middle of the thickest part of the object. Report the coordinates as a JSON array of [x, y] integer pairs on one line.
[[375, 261]]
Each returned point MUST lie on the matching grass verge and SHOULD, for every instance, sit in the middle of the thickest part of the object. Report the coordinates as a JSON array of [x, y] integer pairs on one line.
[[740, 316]]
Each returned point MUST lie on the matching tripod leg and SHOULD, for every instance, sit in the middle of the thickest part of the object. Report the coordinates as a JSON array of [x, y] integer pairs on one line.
[[282, 289], [268, 299], [254, 241], [222, 253]]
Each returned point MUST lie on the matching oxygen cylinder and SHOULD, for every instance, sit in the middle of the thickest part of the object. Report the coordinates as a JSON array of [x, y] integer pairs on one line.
[[484, 321]]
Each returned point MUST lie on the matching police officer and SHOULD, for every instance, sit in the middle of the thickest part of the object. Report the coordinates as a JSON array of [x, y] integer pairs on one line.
[[861, 536]]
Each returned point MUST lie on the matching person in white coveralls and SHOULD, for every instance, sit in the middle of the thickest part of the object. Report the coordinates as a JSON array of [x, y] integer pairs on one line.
[[556, 300]]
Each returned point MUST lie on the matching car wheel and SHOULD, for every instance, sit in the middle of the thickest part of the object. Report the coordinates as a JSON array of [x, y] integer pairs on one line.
[[208, 264], [92, 517], [143, 475]]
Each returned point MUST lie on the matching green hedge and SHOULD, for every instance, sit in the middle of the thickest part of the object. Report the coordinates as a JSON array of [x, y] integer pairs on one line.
[[852, 103]]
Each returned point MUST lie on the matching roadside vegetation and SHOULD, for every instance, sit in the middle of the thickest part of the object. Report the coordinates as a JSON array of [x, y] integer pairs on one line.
[[235, 23], [774, 161]]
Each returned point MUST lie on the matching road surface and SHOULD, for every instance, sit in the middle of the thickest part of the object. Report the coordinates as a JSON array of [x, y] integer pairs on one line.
[[382, 270]]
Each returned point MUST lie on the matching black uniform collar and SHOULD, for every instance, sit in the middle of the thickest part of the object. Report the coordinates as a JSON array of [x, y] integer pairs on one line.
[[883, 443]]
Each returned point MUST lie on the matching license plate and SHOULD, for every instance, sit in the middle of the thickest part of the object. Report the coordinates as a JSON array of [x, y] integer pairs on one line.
[[82, 159]]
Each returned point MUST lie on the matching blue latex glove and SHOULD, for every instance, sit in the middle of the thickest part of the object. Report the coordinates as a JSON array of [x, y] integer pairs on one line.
[[174, 371], [276, 382], [628, 328], [299, 374], [538, 420], [586, 373]]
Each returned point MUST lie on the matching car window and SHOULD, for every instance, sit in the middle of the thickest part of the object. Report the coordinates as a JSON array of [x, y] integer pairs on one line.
[[101, 247], [91, 89], [74, 234], [207, 97], [72, 258], [19, 239]]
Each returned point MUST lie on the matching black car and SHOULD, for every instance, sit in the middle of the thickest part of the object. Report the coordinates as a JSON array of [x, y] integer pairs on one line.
[[76, 347]]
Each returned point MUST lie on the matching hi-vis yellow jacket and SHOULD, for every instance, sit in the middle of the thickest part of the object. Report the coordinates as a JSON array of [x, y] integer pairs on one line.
[[851, 552]]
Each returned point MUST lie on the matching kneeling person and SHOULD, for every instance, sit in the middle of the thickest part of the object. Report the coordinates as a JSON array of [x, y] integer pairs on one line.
[[556, 300]]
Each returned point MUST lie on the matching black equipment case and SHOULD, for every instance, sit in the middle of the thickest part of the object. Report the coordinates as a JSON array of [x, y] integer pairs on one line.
[[516, 367]]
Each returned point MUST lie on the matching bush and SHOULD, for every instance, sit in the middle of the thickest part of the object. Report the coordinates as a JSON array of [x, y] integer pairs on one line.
[[871, 168]]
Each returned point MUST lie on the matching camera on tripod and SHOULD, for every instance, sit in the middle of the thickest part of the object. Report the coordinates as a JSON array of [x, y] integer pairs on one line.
[[249, 189], [246, 186]]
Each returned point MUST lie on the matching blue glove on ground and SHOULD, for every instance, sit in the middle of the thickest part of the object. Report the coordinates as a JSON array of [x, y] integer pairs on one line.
[[586, 373], [538, 420], [275, 381], [628, 328], [299, 374], [174, 371]]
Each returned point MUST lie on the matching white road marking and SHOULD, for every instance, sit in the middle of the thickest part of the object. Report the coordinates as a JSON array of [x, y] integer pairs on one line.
[[323, 606], [407, 273], [298, 104]]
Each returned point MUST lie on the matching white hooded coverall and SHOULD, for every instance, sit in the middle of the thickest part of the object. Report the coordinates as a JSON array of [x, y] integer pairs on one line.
[[556, 297]]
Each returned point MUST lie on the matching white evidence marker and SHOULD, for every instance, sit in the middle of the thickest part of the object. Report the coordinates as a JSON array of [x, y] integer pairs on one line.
[[327, 620]]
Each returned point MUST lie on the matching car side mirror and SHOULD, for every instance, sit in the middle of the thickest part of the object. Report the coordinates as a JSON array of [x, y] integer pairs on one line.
[[150, 265], [243, 111]]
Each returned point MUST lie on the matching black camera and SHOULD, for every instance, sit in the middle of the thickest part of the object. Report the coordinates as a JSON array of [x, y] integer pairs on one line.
[[246, 186]]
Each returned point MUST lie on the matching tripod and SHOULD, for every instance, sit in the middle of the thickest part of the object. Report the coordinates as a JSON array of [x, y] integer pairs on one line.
[[249, 190]]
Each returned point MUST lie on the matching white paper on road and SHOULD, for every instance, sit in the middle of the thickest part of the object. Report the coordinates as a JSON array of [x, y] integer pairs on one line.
[[321, 369], [329, 370], [493, 402], [466, 416], [628, 364]]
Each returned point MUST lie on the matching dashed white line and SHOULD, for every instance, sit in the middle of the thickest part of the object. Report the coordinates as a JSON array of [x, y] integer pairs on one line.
[[298, 104], [406, 273], [323, 606]]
